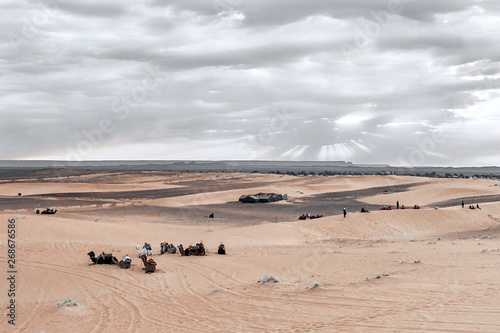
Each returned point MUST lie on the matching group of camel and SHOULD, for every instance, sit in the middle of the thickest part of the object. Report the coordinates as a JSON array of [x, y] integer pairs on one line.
[[46, 211], [309, 216], [109, 259], [196, 250], [146, 250], [126, 262]]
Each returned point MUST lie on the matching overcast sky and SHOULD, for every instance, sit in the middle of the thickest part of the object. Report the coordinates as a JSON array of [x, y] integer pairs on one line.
[[366, 81]]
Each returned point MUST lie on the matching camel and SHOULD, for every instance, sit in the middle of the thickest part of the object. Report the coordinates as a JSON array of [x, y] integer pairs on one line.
[[164, 247], [182, 251], [172, 249], [167, 248], [198, 250], [125, 262], [149, 265], [103, 259], [145, 250], [222, 249]]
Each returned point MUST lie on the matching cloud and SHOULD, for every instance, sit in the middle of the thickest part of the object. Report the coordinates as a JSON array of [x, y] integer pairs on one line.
[[367, 81]]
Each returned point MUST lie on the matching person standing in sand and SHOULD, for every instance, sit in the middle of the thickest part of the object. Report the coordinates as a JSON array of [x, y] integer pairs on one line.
[[345, 212], [397, 204], [463, 204]]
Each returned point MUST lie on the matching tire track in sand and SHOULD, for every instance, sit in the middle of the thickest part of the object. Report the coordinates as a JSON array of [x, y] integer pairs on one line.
[[108, 285], [245, 309], [38, 304], [103, 311]]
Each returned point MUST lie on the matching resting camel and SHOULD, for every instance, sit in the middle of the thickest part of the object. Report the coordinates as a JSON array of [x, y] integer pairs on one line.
[[145, 250], [149, 265], [167, 248], [198, 250], [125, 262], [103, 259]]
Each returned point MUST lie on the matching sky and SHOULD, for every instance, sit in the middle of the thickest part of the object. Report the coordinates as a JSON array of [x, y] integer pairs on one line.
[[408, 83]]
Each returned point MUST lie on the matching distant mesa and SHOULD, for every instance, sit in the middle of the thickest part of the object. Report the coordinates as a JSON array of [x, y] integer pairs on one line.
[[293, 168], [263, 197]]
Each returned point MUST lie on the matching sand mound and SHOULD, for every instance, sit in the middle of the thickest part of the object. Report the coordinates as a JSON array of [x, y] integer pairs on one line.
[[401, 224]]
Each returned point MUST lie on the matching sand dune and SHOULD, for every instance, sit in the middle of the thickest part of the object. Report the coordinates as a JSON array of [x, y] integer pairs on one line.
[[439, 190], [13, 189], [370, 272]]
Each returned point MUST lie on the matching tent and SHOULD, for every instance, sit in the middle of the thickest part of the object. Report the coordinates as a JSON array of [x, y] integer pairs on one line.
[[263, 197]]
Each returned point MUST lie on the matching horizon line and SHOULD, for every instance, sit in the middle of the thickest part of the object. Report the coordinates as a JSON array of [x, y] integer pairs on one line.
[[249, 161]]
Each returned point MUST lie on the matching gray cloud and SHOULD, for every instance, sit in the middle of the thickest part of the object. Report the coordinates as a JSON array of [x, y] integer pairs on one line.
[[365, 81]]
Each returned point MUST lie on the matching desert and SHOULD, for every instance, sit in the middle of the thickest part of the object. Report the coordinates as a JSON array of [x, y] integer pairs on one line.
[[418, 270]]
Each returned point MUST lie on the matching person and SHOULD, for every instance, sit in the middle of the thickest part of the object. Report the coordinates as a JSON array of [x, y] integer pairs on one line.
[[477, 206], [402, 206], [345, 212], [397, 204], [463, 204], [436, 207]]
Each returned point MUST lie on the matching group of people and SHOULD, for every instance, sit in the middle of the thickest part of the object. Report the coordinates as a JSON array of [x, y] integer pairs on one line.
[[471, 206], [364, 210], [397, 207]]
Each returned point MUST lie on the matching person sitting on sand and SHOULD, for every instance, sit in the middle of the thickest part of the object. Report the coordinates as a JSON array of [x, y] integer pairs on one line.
[[477, 206], [472, 207], [436, 207], [402, 206], [363, 210]]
